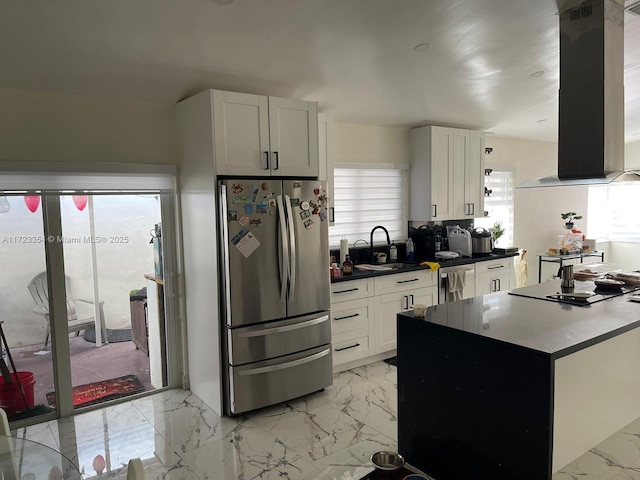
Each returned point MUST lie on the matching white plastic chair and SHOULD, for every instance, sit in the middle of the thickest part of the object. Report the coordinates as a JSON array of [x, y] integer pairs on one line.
[[40, 293], [135, 470], [4, 424]]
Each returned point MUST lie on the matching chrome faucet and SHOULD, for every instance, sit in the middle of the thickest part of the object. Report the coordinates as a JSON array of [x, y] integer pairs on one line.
[[371, 239]]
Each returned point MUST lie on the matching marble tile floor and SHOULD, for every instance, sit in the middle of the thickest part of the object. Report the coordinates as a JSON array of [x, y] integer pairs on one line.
[[327, 435]]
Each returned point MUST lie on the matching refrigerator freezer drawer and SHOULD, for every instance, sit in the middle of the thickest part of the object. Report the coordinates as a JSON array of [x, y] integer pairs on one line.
[[274, 339], [262, 384]]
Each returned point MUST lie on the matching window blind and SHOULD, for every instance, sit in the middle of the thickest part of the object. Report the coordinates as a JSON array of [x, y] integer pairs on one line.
[[366, 197], [499, 204]]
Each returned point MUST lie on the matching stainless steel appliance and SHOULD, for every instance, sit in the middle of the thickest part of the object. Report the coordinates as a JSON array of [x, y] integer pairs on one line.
[[456, 283], [459, 240], [276, 291], [481, 241]]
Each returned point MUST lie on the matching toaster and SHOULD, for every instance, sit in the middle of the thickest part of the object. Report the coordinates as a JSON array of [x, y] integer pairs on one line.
[[459, 241]]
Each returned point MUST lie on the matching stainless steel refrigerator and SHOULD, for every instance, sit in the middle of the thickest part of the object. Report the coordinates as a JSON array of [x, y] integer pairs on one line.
[[276, 290]]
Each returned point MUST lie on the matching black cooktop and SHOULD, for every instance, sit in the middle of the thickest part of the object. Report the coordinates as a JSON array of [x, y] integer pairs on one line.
[[542, 291]]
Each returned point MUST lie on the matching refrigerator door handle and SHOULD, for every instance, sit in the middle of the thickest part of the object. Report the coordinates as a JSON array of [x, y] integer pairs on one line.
[[292, 249], [286, 328], [284, 247], [282, 366]]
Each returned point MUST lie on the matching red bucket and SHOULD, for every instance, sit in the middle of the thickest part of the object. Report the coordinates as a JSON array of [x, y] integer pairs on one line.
[[11, 398]]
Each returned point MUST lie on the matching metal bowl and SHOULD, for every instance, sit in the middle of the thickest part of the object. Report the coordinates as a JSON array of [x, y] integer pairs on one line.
[[387, 461]]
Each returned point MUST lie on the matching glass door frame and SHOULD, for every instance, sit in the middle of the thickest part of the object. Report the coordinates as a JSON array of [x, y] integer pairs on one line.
[[54, 261]]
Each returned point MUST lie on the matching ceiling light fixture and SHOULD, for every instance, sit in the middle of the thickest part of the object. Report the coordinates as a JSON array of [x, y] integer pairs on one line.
[[539, 73], [422, 47]]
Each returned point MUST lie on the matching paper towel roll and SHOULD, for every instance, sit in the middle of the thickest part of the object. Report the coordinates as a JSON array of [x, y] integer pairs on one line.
[[344, 249]]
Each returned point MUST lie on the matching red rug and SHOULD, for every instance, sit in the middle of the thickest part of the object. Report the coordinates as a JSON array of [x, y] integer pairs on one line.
[[97, 392]]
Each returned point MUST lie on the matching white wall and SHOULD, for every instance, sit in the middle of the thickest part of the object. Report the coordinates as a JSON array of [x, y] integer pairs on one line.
[[367, 143], [53, 127]]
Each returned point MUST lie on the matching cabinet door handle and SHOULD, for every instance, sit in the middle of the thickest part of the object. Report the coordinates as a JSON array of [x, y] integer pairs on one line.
[[266, 156], [347, 348], [473, 209], [333, 214], [412, 300], [347, 316], [408, 281], [348, 290], [277, 162], [495, 267], [405, 301], [493, 286], [435, 211], [499, 284]]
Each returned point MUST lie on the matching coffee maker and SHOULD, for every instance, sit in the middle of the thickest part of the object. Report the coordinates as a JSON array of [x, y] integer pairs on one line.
[[424, 240]]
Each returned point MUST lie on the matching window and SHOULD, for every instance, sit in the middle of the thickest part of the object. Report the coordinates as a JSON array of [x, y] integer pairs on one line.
[[613, 212], [499, 203], [365, 197]]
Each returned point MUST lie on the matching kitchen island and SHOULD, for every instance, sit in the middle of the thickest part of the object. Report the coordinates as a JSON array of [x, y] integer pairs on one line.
[[504, 386]]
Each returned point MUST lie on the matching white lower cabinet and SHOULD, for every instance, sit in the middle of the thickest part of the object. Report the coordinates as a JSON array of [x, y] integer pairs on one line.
[[364, 314], [494, 276], [392, 303]]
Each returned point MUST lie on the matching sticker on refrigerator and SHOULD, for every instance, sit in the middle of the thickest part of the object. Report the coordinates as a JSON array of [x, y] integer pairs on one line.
[[295, 202], [238, 199], [304, 205], [248, 208], [254, 194], [269, 195], [244, 221], [255, 222], [308, 223], [316, 191], [305, 214], [264, 186], [233, 216], [262, 208], [245, 242], [322, 215], [272, 202], [236, 188]]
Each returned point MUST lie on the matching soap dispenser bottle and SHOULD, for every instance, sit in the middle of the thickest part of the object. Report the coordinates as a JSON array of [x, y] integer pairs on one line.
[[393, 253]]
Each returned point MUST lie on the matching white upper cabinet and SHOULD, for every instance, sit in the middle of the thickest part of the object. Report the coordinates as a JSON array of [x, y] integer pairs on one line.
[[259, 135], [431, 173], [447, 174]]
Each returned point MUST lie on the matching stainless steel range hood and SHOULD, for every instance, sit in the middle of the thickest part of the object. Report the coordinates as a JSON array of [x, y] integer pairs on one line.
[[591, 96]]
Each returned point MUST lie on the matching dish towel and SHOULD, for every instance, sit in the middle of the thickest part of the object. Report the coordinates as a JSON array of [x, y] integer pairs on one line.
[[456, 284], [434, 266]]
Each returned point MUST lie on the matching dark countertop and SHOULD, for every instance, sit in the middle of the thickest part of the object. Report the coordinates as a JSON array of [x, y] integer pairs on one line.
[[357, 274], [552, 328]]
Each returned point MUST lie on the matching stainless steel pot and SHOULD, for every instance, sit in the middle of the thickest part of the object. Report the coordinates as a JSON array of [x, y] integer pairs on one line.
[[481, 241]]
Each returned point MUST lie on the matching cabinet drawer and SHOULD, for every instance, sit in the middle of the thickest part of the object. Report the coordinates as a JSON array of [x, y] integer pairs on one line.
[[494, 265], [350, 346], [351, 290], [348, 316], [404, 281]]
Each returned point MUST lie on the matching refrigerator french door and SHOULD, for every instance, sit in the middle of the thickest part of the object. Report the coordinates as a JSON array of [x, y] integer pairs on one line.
[[276, 290]]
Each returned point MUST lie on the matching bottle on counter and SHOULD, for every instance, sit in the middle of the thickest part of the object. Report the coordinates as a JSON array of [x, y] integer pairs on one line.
[[409, 250], [438, 242], [335, 271], [393, 253], [347, 266]]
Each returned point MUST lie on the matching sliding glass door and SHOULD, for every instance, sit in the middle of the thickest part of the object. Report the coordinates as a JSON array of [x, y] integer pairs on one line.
[[83, 297]]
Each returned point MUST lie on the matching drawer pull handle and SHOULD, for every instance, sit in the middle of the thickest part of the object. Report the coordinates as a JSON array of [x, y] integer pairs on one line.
[[348, 290], [495, 267], [347, 348], [347, 316], [409, 281]]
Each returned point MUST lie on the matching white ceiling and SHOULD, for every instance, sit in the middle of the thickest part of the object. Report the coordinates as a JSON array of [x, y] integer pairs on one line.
[[355, 58]]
